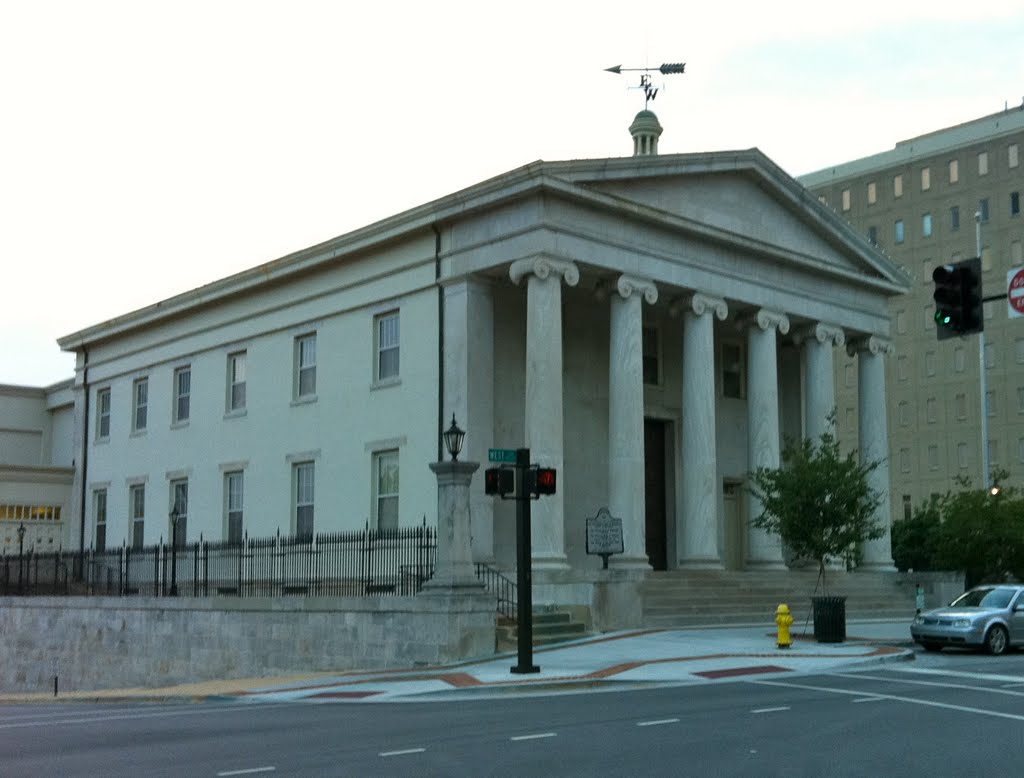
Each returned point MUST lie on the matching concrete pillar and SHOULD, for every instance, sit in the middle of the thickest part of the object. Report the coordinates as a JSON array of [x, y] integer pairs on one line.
[[873, 441], [698, 454], [626, 477], [469, 388], [820, 388], [763, 440], [453, 561], [544, 436]]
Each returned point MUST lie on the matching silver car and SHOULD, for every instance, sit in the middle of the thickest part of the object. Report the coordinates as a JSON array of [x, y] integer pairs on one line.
[[989, 617]]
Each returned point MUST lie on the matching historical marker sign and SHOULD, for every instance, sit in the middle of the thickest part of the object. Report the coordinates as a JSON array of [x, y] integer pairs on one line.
[[1015, 292], [604, 535]]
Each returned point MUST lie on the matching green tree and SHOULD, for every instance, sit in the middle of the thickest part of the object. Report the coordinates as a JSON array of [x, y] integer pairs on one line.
[[914, 539], [819, 501]]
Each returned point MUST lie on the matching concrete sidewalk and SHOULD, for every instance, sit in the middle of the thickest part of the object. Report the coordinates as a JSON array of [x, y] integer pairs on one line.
[[617, 660]]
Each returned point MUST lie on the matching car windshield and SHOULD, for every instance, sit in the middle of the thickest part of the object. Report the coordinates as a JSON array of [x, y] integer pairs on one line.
[[984, 598]]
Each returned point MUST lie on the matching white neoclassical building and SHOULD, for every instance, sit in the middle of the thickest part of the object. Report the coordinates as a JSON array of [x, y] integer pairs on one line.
[[652, 326]]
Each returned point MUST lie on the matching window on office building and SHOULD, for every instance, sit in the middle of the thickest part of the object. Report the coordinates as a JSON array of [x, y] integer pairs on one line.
[[983, 209], [181, 408], [304, 385], [897, 186], [983, 163], [993, 452], [929, 357], [846, 199], [990, 403], [872, 193], [385, 469], [902, 369], [140, 404], [961, 455], [1019, 350], [954, 218], [901, 322], [933, 457], [898, 230], [929, 316], [954, 171], [959, 359], [990, 355], [926, 179], [908, 509], [1014, 203], [904, 460], [873, 236], [903, 413], [1011, 155], [926, 225], [960, 404], [137, 506], [932, 410], [1020, 399], [233, 494], [99, 519], [1016, 256]]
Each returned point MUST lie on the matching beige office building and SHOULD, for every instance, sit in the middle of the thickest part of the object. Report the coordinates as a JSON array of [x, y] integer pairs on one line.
[[935, 199]]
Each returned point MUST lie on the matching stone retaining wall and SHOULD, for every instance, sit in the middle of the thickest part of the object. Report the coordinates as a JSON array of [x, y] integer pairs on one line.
[[112, 642]]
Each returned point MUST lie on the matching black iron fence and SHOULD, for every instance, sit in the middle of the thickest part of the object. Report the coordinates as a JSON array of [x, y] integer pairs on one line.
[[363, 562]]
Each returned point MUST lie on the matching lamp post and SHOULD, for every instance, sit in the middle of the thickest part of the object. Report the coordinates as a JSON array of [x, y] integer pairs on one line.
[[453, 438], [175, 516], [21, 549]]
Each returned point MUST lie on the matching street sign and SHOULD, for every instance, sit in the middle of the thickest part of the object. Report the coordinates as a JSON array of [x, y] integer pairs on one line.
[[1015, 292], [502, 455]]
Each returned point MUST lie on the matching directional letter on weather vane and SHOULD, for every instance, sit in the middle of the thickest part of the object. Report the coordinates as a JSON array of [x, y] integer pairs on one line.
[[651, 91]]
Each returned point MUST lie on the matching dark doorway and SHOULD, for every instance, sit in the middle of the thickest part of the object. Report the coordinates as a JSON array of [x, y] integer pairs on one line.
[[654, 492]]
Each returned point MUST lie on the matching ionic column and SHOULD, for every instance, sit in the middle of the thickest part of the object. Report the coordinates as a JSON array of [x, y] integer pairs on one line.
[[698, 536], [873, 441], [626, 482], [544, 394], [820, 388], [763, 550]]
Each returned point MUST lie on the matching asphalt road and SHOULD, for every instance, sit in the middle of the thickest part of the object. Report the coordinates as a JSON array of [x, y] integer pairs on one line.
[[942, 715]]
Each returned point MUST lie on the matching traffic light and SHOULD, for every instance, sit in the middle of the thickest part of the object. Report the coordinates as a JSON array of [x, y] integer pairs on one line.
[[499, 480], [958, 305], [541, 480]]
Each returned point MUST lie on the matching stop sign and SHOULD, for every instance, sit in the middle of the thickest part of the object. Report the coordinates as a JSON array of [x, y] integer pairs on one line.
[[1015, 292]]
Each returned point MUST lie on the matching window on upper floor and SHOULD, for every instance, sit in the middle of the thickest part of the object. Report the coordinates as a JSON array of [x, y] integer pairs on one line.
[[385, 493], [872, 193], [926, 225], [1020, 399], [959, 359], [177, 521], [990, 355], [929, 316], [304, 384], [926, 179], [99, 519], [236, 381], [137, 514], [898, 231], [303, 481], [983, 209], [990, 403], [954, 171], [933, 457], [903, 413], [983, 163], [1011, 155], [1019, 350], [902, 368], [846, 199], [386, 344], [182, 408], [897, 186], [932, 410], [962, 459], [103, 413], [873, 235], [233, 496], [1014, 203], [140, 404], [929, 357], [1016, 255], [904, 460], [960, 403], [986, 258], [954, 218], [733, 372]]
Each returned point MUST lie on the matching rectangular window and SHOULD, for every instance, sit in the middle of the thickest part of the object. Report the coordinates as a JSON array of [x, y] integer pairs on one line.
[[873, 236], [958, 359], [907, 507], [954, 171], [99, 518], [961, 406], [983, 209], [929, 357], [901, 322], [990, 403], [182, 394], [140, 404], [961, 455], [983, 163], [385, 467], [387, 336], [651, 356], [1019, 350], [902, 369], [137, 508], [102, 414], [1014, 203], [926, 225], [872, 193], [1016, 252], [849, 376], [932, 410], [305, 365], [236, 381], [954, 218], [899, 231], [926, 179], [178, 519], [929, 316], [1020, 399], [933, 457], [990, 355], [732, 370], [897, 186], [904, 460], [903, 413], [846, 199], [303, 476], [233, 506], [1011, 155]]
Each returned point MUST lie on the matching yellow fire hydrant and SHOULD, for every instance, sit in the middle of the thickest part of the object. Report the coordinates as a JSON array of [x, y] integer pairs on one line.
[[785, 620]]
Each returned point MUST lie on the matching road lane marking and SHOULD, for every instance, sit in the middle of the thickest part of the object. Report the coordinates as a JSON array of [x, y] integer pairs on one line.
[[898, 698], [991, 689], [403, 752], [128, 716], [959, 674], [770, 710], [533, 737], [868, 699], [656, 723], [249, 771]]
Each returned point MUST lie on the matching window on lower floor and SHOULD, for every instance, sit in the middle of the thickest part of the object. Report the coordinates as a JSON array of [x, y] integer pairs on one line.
[[99, 519], [990, 403], [178, 518], [961, 456], [303, 477], [651, 356], [898, 231], [137, 514], [932, 410], [233, 484], [926, 225], [933, 457], [732, 370], [1014, 203], [903, 413], [983, 209], [385, 471], [961, 406], [904, 460], [907, 507], [954, 219], [959, 359]]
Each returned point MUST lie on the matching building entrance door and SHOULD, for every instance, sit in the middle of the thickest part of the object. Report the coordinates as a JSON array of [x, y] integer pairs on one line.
[[654, 492], [734, 527]]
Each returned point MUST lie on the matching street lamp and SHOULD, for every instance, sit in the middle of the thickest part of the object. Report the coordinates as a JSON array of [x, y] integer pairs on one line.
[[453, 438], [175, 517], [21, 549]]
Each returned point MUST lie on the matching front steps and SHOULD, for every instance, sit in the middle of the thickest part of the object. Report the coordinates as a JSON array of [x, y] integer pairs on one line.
[[551, 624], [680, 598]]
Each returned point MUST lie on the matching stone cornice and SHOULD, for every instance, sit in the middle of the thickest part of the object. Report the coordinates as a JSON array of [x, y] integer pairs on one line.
[[700, 303], [542, 267], [822, 333], [873, 344]]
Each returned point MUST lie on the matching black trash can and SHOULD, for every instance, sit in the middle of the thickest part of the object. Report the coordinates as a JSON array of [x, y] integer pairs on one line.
[[829, 619]]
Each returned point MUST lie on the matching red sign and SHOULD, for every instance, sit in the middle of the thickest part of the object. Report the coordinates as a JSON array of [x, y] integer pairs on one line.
[[1015, 291]]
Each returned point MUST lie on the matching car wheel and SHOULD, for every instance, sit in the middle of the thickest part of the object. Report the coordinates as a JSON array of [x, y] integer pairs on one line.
[[932, 646], [995, 640]]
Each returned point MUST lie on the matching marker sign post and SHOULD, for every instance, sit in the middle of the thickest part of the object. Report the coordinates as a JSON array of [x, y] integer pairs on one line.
[[1015, 292]]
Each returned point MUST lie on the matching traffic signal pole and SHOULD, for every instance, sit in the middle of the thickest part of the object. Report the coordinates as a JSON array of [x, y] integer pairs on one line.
[[986, 472], [524, 577]]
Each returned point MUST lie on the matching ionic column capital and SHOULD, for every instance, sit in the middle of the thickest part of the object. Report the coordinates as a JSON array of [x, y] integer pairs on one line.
[[823, 333], [542, 267], [628, 285], [700, 303], [872, 344], [766, 319]]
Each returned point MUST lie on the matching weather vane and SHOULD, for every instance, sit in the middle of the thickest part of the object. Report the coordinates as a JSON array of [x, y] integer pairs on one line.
[[650, 90]]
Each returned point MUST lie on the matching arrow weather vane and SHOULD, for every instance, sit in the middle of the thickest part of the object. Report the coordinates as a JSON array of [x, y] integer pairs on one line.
[[651, 91]]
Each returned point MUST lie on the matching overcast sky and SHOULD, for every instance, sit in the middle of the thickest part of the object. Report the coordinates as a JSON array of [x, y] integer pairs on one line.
[[147, 148]]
